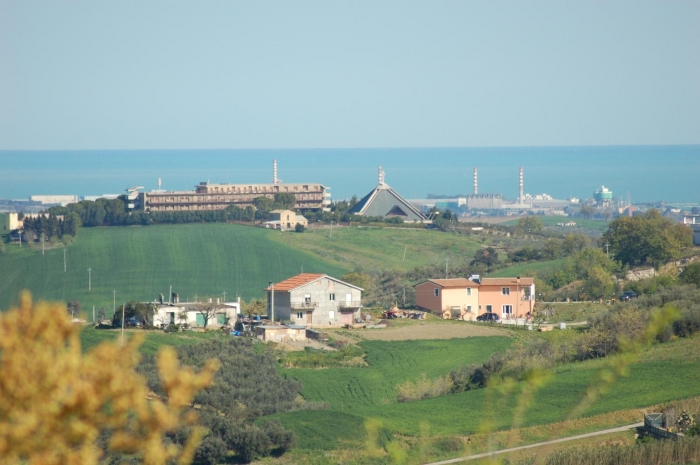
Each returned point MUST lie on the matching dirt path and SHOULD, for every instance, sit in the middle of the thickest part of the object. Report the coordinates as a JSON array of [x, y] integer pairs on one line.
[[430, 331], [546, 443]]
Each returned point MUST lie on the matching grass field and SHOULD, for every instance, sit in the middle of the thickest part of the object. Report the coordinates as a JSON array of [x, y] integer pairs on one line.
[[153, 340], [141, 262], [355, 397], [382, 248], [527, 269], [581, 223]]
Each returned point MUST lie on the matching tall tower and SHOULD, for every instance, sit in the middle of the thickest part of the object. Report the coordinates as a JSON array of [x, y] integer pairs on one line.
[[521, 185], [476, 182], [381, 176], [275, 181]]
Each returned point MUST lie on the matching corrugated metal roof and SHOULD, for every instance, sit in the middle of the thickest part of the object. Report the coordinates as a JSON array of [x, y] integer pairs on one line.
[[506, 281], [296, 281]]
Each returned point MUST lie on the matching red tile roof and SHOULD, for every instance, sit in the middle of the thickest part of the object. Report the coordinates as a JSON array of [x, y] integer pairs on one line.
[[296, 281], [507, 281], [453, 283]]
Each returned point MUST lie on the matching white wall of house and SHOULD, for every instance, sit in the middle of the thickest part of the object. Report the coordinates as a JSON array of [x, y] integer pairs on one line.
[[166, 314]]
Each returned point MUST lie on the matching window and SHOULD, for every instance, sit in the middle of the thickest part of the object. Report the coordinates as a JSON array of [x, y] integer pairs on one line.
[[331, 297], [469, 291], [489, 309], [505, 291], [307, 298], [300, 315], [331, 315], [436, 292], [507, 310], [469, 308]]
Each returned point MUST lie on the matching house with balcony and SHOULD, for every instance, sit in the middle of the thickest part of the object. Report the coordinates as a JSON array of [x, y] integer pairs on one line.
[[313, 299], [509, 298], [456, 298]]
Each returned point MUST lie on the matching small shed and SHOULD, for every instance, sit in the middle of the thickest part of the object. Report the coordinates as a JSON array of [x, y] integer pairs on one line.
[[296, 332], [271, 333]]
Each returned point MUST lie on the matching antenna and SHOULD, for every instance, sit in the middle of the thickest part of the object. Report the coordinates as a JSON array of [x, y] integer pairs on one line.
[[275, 180], [381, 176], [476, 182], [159, 183]]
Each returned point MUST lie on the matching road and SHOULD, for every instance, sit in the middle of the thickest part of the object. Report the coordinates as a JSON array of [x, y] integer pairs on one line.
[[546, 443]]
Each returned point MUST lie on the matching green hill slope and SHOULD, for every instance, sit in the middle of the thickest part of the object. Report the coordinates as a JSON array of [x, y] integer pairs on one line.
[[141, 262]]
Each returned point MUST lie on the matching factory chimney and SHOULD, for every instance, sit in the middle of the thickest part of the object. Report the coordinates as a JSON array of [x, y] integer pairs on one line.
[[274, 172], [521, 185], [476, 182]]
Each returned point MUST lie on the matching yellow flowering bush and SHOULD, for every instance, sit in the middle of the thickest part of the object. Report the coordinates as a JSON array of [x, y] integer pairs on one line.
[[55, 401]]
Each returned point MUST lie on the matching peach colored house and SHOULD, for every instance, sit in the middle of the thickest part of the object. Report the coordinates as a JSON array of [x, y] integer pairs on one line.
[[507, 297], [449, 298]]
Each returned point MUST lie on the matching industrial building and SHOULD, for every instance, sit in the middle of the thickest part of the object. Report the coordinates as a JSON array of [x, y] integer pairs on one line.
[[206, 196]]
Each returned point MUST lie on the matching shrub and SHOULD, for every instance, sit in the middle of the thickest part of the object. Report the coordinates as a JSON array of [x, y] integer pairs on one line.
[[423, 388]]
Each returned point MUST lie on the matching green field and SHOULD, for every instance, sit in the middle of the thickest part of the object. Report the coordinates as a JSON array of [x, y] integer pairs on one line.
[[527, 269], [202, 260], [581, 223], [370, 248], [355, 398]]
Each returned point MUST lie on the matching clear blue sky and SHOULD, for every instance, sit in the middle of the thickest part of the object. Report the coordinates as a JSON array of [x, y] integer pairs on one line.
[[304, 74]]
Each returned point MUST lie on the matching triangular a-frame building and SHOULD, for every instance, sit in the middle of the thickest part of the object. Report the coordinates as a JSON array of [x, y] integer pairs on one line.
[[386, 202]]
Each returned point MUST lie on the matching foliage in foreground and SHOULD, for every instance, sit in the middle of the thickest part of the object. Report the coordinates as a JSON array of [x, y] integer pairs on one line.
[[55, 402], [247, 387], [686, 450]]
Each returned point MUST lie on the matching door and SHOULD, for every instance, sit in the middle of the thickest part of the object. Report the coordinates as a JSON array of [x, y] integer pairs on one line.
[[221, 318], [308, 317], [200, 319], [171, 318], [346, 318]]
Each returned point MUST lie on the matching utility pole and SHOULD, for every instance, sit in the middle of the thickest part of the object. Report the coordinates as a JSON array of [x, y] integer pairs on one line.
[[93, 314], [64, 259], [272, 300], [330, 236], [447, 260], [123, 311], [224, 296], [42, 243], [20, 238], [404, 252], [607, 253], [170, 295], [89, 279], [114, 304]]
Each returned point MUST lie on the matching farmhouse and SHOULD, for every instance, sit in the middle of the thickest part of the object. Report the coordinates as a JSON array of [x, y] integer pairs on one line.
[[285, 220], [449, 298], [465, 299], [314, 299], [507, 297], [194, 313]]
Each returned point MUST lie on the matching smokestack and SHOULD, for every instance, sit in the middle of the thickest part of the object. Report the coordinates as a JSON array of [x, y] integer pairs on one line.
[[274, 171], [476, 182], [521, 185]]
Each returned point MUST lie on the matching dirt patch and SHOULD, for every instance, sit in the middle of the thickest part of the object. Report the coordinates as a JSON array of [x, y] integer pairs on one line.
[[429, 330]]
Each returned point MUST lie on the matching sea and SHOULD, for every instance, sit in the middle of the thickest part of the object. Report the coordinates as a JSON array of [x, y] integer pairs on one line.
[[644, 174]]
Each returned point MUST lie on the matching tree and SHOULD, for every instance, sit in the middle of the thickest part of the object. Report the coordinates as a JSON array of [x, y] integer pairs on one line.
[[254, 307], [587, 211], [56, 401], [646, 239], [691, 274], [207, 310], [262, 204], [487, 257], [529, 225], [73, 308], [599, 283], [574, 243], [286, 200]]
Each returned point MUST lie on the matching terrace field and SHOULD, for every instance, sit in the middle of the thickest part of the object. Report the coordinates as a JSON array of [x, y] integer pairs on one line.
[[358, 394]]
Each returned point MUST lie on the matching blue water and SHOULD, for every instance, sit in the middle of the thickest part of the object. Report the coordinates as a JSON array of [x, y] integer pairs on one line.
[[647, 173]]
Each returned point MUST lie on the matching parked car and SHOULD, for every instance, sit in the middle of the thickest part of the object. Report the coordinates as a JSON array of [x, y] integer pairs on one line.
[[627, 295], [488, 317]]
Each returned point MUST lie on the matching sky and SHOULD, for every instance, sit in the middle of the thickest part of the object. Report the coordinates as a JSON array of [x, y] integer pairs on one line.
[[176, 74]]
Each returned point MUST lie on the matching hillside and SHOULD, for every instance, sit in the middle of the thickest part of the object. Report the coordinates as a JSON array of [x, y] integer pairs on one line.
[[371, 248], [141, 262]]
